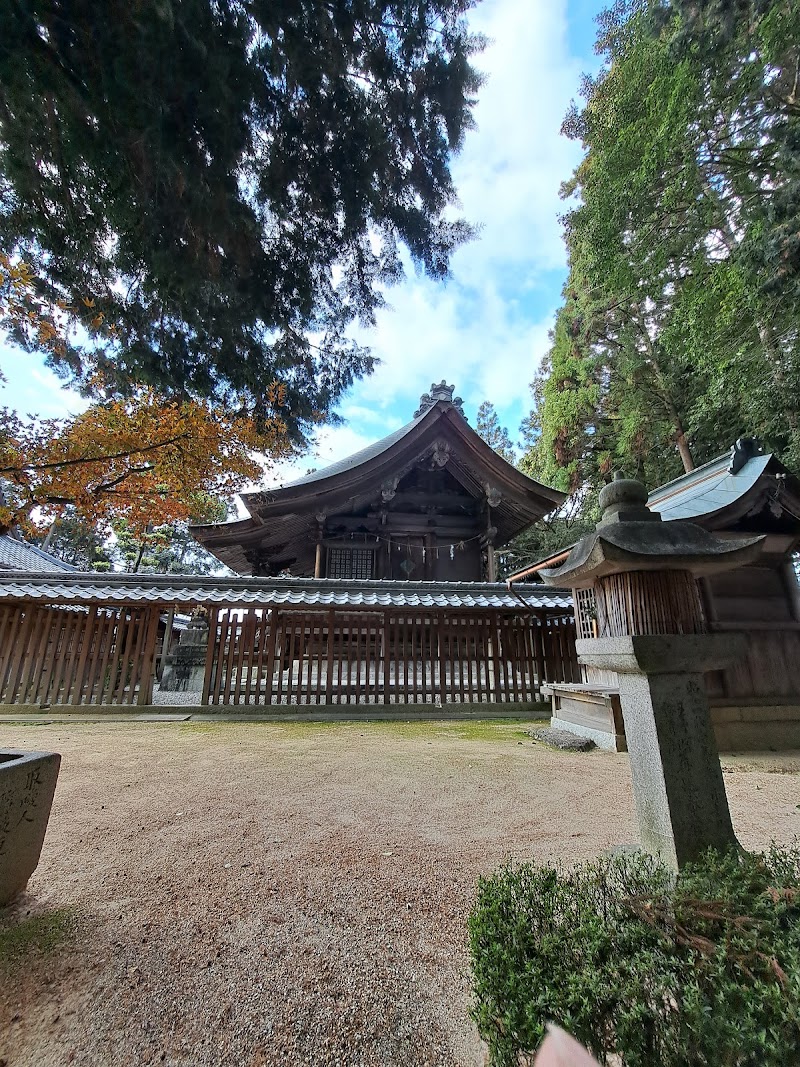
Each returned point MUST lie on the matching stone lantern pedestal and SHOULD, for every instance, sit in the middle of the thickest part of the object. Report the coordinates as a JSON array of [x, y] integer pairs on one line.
[[678, 787], [639, 614]]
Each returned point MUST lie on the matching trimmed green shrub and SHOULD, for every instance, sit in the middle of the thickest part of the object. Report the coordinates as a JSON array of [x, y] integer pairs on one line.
[[643, 968]]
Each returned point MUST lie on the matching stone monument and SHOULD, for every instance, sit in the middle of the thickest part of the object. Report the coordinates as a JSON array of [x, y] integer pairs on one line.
[[184, 670], [639, 613]]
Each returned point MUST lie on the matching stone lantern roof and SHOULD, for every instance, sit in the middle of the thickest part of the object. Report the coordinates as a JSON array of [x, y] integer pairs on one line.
[[631, 537]]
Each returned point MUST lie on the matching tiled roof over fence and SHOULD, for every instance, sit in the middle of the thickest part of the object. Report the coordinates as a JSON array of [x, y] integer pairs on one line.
[[302, 592]]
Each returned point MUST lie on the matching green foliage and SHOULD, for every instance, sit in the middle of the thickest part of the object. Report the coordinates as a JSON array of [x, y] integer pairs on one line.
[[75, 542], [168, 549], [488, 426], [225, 186], [678, 331], [550, 534], [700, 970]]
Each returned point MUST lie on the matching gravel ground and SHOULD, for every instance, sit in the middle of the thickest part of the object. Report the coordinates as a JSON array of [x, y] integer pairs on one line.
[[253, 894]]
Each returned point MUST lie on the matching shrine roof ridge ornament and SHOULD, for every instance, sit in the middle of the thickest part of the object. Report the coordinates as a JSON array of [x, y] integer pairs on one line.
[[441, 392]]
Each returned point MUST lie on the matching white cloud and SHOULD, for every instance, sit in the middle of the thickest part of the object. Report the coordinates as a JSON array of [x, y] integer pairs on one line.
[[472, 338], [511, 168], [486, 330]]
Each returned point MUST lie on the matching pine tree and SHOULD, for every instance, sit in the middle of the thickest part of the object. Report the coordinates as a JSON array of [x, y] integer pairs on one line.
[[74, 541], [497, 436]]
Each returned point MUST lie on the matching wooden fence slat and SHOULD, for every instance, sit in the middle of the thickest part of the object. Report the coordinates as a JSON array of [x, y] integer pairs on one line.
[[29, 683], [357, 655], [315, 644], [133, 659], [63, 654], [87, 674], [19, 653], [458, 623], [244, 660], [135, 667], [309, 655], [329, 651], [272, 639], [245, 680], [400, 686], [147, 673], [6, 643], [39, 687], [386, 656], [291, 626], [78, 649], [301, 653], [234, 630], [511, 658], [101, 676], [308, 651], [340, 660], [211, 655], [88, 634], [127, 663], [116, 663], [222, 649], [262, 630], [325, 638]]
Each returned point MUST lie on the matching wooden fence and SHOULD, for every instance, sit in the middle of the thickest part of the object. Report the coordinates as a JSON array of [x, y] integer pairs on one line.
[[106, 655], [385, 657], [92, 655]]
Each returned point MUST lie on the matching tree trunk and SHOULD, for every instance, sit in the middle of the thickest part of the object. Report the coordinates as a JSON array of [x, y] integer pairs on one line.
[[684, 451], [50, 534], [138, 562], [681, 441]]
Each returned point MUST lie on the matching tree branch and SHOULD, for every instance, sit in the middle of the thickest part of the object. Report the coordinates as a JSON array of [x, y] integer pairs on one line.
[[55, 464]]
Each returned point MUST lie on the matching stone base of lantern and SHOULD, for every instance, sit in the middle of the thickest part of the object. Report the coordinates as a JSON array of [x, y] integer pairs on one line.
[[677, 780]]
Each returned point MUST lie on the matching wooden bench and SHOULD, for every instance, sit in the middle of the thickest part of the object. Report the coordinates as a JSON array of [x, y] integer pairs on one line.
[[591, 711]]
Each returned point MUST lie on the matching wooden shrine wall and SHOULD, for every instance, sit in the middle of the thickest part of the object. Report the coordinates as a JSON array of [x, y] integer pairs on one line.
[[385, 657], [90, 655]]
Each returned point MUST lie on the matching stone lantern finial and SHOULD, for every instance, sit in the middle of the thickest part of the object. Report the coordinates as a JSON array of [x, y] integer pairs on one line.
[[625, 500]]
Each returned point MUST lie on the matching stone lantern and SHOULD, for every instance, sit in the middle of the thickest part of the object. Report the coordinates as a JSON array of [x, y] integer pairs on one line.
[[639, 613]]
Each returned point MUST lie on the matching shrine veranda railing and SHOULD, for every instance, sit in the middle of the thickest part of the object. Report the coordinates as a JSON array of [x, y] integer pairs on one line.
[[385, 657], [105, 655]]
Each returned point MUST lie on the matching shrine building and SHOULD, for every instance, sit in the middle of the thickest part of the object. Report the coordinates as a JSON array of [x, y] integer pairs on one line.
[[430, 502]]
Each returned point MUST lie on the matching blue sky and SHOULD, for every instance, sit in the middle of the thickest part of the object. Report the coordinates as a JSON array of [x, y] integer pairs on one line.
[[486, 329]]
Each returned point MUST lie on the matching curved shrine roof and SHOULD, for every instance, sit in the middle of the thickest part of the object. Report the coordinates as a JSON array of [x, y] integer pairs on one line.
[[286, 515]]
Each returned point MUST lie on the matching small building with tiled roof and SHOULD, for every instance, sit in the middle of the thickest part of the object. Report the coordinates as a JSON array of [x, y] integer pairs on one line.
[[755, 702], [16, 555]]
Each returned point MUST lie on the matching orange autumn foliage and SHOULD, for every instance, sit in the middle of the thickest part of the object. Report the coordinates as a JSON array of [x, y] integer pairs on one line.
[[147, 461]]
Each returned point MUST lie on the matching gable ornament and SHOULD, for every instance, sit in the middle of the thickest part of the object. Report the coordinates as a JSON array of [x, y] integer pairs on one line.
[[388, 489], [440, 456]]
